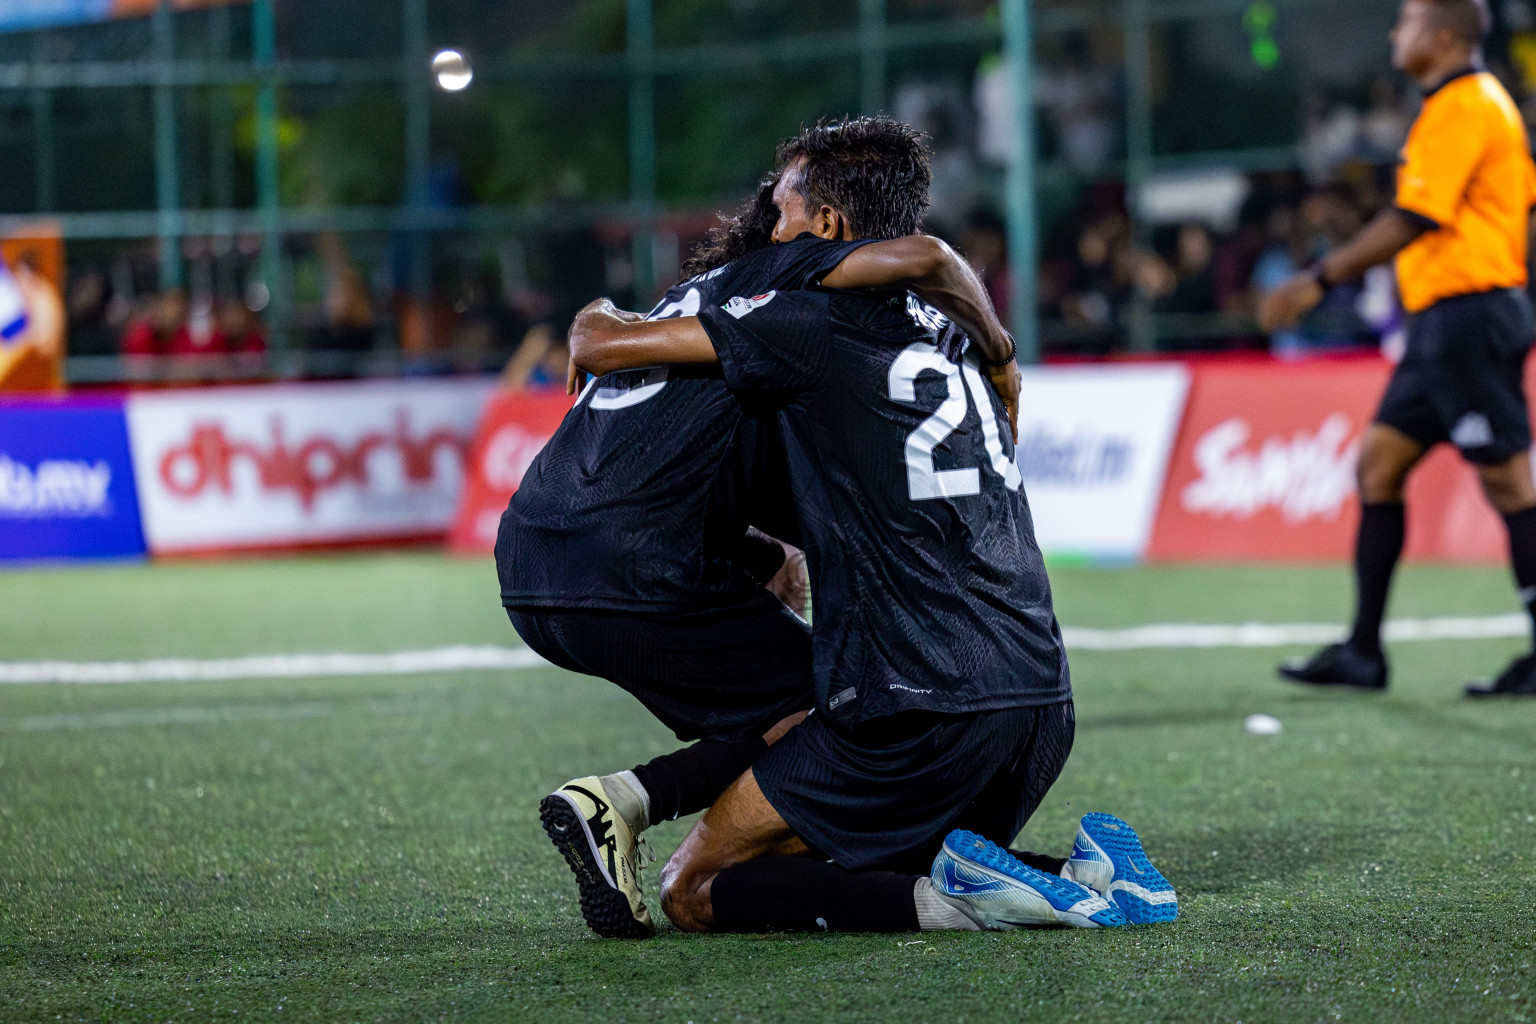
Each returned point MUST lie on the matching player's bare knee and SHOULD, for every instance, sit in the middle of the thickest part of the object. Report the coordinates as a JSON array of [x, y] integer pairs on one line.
[[1507, 488], [1378, 482], [683, 899]]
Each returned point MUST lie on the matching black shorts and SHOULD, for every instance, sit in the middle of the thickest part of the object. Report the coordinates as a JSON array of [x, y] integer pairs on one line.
[[724, 673], [1462, 378], [885, 794]]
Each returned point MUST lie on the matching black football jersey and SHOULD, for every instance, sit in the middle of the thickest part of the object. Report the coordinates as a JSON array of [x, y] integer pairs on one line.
[[931, 593], [639, 500]]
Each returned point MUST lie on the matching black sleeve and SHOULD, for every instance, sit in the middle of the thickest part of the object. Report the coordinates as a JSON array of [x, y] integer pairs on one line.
[[806, 260], [776, 343]]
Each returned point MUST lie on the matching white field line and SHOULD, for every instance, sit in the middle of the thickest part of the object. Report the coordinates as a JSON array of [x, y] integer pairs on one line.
[[1168, 636], [1263, 634], [276, 666]]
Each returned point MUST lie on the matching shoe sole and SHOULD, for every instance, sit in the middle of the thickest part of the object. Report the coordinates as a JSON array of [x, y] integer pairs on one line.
[[1150, 899], [1484, 692], [1333, 684], [604, 907], [1053, 888]]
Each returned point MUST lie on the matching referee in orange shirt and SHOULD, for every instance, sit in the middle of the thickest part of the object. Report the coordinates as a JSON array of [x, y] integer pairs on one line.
[[1465, 189]]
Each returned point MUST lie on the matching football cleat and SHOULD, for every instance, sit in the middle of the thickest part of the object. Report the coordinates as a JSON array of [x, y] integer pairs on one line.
[[1108, 858], [602, 851], [1339, 665], [998, 891], [1518, 680]]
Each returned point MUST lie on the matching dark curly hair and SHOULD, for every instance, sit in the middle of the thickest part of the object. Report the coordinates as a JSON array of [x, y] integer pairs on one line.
[[748, 230], [872, 170]]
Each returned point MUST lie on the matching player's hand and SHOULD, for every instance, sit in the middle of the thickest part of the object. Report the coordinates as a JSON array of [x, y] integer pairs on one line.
[[594, 317], [1284, 307], [1007, 382]]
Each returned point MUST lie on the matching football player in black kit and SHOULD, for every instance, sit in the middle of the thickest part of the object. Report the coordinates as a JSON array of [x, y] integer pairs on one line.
[[942, 706], [624, 555]]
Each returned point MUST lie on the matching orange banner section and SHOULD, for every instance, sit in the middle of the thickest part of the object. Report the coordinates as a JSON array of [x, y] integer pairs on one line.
[[1263, 470], [514, 429], [35, 361], [144, 8]]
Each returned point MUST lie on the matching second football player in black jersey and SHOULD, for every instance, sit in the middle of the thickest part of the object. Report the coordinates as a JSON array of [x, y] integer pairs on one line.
[[618, 556]]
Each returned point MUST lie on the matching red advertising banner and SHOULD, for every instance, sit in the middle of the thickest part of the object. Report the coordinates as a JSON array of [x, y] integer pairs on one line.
[[1263, 470], [295, 465], [514, 429]]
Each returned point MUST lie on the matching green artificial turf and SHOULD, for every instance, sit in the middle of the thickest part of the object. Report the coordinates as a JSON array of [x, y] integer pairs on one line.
[[369, 848]]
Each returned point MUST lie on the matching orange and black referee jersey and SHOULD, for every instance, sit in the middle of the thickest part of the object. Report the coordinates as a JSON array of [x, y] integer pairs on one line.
[[1466, 168]]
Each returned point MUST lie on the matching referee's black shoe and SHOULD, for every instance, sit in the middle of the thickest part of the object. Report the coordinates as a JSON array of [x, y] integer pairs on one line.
[[1518, 680], [1339, 665]]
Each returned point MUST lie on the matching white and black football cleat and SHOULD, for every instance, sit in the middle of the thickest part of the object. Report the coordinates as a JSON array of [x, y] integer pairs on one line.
[[603, 853]]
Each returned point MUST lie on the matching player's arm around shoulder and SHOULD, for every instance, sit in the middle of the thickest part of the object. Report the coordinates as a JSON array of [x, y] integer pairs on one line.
[[941, 277], [605, 338]]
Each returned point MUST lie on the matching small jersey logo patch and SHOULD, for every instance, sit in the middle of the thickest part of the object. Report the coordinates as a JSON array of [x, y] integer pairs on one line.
[[841, 697], [740, 306]]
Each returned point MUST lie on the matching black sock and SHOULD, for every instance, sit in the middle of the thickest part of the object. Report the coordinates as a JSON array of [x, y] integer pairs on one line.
[[800, 894], [1522, 557], [1378, 546], [1041, 862], [691, 779]]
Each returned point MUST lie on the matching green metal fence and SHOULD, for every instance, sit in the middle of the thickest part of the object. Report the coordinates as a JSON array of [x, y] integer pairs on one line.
[[879, 43]]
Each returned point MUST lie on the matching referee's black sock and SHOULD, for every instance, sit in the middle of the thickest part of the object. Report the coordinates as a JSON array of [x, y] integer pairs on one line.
[[1378, 546], [691, 779], [1522, 557], [800, 894]]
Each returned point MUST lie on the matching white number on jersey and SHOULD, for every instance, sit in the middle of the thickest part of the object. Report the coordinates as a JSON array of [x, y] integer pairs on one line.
[[656, 378], [924, 480]]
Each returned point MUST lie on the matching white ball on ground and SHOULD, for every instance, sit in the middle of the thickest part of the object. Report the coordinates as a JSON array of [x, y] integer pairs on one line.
[[1262, 725]]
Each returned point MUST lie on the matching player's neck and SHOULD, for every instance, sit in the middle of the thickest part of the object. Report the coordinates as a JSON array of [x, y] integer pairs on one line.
[[1445, 66]]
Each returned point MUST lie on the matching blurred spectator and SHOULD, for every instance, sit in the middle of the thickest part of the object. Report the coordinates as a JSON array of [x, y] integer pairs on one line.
[[350, 323], [487, 327], [538, 363], [1384, 128], [1079, 95], [242, 338], [985, 244], [1188, 287], [158, 331], [1331, 135], [92, 329]]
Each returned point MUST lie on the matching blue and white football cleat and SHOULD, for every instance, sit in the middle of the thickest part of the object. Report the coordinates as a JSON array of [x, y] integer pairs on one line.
[[996, 890], [1108, 858]]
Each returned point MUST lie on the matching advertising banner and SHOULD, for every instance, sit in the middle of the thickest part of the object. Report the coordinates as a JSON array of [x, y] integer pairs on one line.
[[66, 482], [1264, 470], [260, 467], [1093, 451], [1264, 467], [515, 429]]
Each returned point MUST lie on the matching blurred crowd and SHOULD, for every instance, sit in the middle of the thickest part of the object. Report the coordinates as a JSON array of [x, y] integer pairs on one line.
[[1194, 285], [1177, 267]]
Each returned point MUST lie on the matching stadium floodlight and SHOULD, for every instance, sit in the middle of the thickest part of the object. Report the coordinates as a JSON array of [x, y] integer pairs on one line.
[[452, 71]]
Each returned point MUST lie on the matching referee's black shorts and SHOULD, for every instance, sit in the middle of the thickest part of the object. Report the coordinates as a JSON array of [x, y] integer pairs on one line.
[[885, 794], [1461, 379], [721, 673]]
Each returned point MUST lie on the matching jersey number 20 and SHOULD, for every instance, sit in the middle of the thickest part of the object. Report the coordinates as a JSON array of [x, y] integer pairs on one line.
[[924, 481]]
